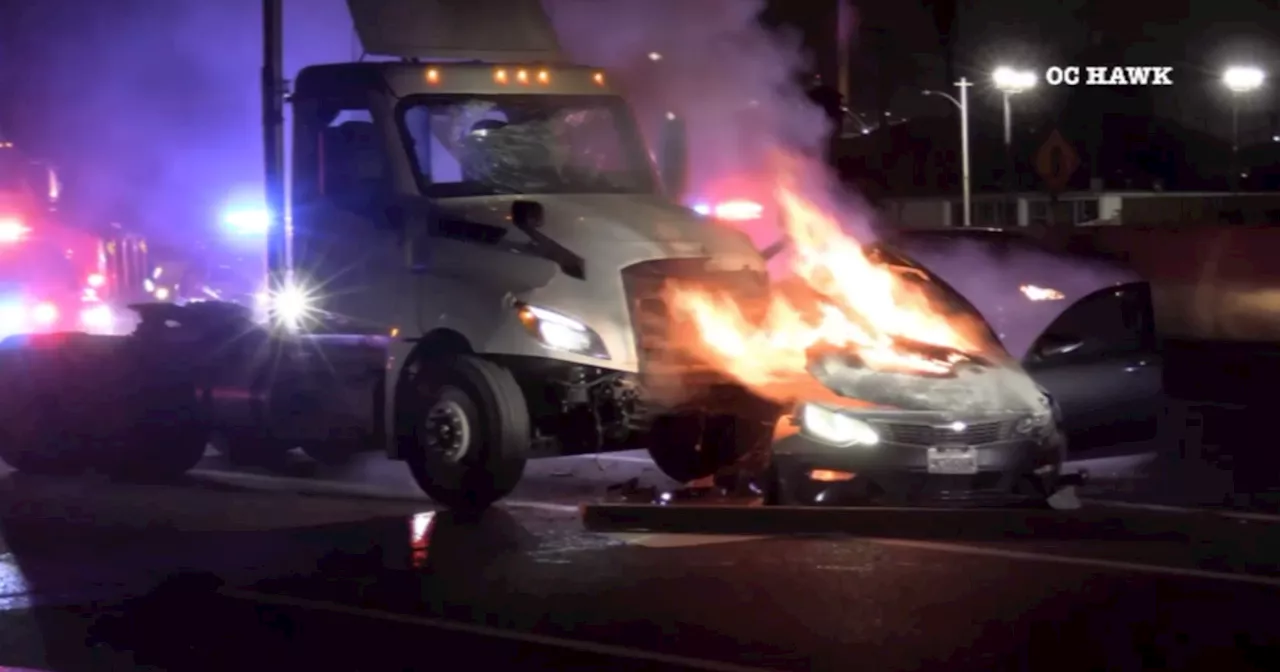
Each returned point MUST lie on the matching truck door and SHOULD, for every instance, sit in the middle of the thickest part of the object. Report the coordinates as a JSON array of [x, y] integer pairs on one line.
[[345, 248], [1100, 362]]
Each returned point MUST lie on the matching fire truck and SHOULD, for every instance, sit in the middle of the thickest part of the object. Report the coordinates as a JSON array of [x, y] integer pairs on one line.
[[56, 275], [473, 277]]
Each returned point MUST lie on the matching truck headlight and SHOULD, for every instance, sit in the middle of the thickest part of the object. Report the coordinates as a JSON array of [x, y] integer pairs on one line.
[[836, 428], [560, 332]]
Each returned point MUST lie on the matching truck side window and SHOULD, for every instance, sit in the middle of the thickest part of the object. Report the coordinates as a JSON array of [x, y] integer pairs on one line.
[[1112, 322], [354, 171]]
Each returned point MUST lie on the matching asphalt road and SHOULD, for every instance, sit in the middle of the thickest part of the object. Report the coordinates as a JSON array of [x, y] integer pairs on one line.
[[354, 571]]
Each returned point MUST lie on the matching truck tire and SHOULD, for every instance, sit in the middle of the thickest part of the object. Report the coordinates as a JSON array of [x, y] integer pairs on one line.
[[691, 446], [167, 440], [254, 449], [35, 439], [470, 431], [335, 453]]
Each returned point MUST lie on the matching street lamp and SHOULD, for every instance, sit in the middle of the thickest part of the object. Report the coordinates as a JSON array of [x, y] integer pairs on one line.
[[962, 103], [1011, 82], [1239, 81]]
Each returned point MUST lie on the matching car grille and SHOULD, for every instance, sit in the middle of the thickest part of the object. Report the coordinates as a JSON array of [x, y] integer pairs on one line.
[[930, 435], [651, 317]]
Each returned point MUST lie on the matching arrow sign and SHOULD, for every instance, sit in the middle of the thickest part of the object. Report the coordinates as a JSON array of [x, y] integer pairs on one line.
[[1056, 162]]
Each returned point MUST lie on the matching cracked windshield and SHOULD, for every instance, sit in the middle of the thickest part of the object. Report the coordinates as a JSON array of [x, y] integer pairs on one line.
[[525, 144]]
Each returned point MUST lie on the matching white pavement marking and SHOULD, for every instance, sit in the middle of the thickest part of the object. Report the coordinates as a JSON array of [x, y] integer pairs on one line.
[[1101, 467], [1117, 565], [316, 486], [541, 506], [610, 457], [681, 540], [578, 645]]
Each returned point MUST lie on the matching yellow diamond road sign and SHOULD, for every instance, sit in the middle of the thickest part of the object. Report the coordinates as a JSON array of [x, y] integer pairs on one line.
[[1056, 162]]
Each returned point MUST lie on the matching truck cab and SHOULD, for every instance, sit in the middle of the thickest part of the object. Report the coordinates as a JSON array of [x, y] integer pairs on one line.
[[478, 248]]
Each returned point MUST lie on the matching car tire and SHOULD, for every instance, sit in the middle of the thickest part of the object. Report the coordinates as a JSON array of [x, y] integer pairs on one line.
[[778, 491], [471, 431]]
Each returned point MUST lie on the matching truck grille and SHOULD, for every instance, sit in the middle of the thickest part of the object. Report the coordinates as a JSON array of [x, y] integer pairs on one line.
[[929, 435], [651, 317]]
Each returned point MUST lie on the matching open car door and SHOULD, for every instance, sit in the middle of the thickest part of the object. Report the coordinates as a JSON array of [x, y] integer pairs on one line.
[[1100, 361]]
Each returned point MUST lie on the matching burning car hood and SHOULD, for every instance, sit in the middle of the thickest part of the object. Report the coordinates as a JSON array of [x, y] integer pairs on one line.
[[1007, 284], [978, 389]]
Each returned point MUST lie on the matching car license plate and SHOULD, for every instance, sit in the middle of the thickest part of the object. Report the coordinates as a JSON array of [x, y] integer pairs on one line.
[[953, 460]]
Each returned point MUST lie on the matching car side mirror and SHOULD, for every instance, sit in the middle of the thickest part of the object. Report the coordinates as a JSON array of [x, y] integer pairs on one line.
[[1056, 346], [672, 156], [527, 215]]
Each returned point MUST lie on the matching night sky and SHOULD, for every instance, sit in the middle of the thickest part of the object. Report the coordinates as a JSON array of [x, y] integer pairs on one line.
[[165, 91]]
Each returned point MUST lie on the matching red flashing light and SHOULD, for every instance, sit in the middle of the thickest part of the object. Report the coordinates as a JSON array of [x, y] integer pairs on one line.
[[97, 280], [45, 313], [12, 230], [738, 211]]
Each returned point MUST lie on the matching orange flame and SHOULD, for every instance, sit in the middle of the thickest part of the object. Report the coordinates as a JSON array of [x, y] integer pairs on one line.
[[836, 297]]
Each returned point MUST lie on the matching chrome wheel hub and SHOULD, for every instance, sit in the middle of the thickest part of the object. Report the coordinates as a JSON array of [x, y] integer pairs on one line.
[[447, 433]]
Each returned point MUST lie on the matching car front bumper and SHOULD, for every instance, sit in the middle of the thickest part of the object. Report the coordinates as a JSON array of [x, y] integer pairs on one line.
[[1013, 468]]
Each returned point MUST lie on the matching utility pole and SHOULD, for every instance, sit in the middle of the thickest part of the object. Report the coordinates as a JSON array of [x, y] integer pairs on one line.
[[273, 95], [961, 103], [844, 34]]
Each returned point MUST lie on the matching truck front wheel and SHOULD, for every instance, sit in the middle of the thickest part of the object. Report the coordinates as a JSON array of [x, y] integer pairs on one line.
[[470, 434]]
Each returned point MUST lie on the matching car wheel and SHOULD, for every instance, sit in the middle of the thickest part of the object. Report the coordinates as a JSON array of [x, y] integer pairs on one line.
[[471, 432]]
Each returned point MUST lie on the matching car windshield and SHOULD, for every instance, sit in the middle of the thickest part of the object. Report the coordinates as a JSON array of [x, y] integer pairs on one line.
[[525, 144]]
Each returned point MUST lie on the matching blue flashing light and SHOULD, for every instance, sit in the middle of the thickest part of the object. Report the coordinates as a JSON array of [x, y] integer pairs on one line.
[[247, 222], [703, 209]]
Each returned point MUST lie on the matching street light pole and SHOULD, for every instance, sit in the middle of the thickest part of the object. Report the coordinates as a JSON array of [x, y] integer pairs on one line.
[[1008, 144], [1239, 81], [964, 147], [1235, 141], [962, 104], [1011, 82]]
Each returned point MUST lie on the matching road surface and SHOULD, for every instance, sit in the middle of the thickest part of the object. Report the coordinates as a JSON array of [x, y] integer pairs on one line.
[[356, 571]]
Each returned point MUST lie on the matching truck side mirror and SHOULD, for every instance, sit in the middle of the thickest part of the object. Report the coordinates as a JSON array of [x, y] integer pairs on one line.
[[527, 215], [673, 155]]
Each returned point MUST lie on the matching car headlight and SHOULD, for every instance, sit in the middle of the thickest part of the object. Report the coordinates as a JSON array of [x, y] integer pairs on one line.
[[1035, 425], [836, 428], [560, 332]]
